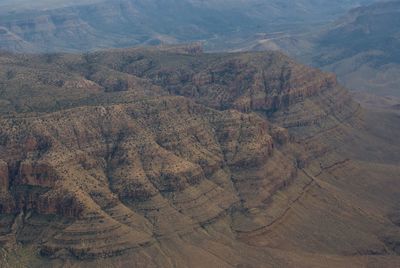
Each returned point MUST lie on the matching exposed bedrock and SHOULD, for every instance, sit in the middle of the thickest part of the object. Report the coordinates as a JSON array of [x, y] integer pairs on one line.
[[139, 147]]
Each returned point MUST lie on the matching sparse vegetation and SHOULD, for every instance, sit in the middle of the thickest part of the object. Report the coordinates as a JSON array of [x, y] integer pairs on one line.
[[190, 159]]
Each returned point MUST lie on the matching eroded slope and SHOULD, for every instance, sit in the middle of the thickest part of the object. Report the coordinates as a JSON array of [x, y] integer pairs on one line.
[[177, 158]]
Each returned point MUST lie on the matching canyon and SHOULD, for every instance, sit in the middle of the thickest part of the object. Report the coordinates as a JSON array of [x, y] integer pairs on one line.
[[172, 157], [79, 26]]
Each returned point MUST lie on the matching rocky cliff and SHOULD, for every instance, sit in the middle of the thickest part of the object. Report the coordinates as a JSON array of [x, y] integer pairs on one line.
[[173, 157]]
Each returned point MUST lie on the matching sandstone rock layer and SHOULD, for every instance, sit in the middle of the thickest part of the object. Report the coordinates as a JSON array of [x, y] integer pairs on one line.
[[176, 158]]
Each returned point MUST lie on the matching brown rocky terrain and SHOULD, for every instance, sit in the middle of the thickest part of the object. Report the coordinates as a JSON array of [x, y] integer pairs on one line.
[[175, 158]]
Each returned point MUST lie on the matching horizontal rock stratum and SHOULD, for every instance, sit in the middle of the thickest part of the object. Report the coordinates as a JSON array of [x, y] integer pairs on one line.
[[170, 157]]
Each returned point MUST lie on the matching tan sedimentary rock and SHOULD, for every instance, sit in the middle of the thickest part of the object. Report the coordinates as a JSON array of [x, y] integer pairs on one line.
[[173, 153]]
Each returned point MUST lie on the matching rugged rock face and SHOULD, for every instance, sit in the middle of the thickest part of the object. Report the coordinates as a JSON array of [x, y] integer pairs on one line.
[[6, 205], [4, 181], [176, 158], [246, 82], [139, 153]]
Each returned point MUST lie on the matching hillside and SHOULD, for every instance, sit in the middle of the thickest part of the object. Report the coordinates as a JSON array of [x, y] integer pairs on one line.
[[170, 157], [362, 49]]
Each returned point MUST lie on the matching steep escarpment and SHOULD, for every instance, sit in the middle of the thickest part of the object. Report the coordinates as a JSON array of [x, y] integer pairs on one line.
[[168, 154], [173, 157], [246, 82]]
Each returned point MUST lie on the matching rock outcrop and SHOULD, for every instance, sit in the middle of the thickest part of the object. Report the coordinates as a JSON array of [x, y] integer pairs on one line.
[[4, 181], [198, 155]]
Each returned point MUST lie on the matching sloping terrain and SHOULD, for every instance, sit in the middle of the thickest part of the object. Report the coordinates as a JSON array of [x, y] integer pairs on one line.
[[175, 158], [363, 49], [48, 26]]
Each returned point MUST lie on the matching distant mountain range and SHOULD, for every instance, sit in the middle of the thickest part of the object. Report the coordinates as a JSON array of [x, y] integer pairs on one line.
[[363, 49], [359, 45], [60, 25]]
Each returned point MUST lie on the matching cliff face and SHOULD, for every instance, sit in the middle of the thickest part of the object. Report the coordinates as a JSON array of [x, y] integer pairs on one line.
[[4, 176], [96, 159], [246, 82], [7, 204], [159, 154]]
